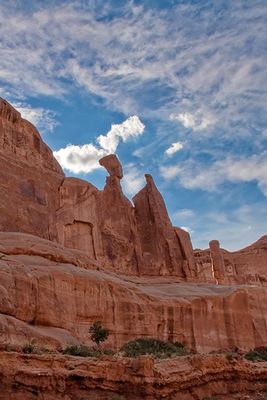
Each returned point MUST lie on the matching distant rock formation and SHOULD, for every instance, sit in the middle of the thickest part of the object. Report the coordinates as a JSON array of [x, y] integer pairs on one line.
[[131, 239]]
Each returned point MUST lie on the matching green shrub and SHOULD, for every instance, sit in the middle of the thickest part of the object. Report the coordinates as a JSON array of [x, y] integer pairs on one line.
[[98, 333], [81, 351], [155, 347], [29, 348], [179, 345], [258, 354]]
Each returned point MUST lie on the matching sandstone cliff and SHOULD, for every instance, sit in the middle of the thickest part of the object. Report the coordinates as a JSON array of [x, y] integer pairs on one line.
[[30, 177], [55, 295], [71, 254]]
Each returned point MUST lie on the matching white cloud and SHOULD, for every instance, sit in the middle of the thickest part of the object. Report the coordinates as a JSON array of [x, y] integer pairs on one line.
[[240, 227], [43, 119], [85, 158], [196, 122], [177, 146], [133, 180], [184, 213], [79, 159], [218, 62], [187, 229], [170, 172], [194, 176], [132, 127]]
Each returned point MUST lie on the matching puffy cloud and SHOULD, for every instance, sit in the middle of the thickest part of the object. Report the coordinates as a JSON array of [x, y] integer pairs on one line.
[[177, 146], [132, 127], [85, 158], [79, 159]]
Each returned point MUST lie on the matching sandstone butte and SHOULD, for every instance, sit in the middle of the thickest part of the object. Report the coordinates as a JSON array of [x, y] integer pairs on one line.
[[71, 254]]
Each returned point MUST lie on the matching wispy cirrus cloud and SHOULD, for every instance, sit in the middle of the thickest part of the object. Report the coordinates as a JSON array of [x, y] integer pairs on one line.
[[193, 71], [84, 158], [234, 228], [45, 120], [229, 169], [196, 54]]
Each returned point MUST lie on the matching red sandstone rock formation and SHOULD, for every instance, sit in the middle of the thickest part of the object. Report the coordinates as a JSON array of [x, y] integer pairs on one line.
[[132, 240], [162, 253], [217, 260], [103, 239], [30, 177], [112, 165], [53, 294], [53, 376], [248, 265], [103, 224]]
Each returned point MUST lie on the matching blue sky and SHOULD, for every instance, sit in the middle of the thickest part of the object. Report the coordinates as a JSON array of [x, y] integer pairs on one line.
[[177, 89]]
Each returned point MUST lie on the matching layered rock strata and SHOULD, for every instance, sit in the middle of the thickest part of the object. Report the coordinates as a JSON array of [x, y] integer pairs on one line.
[[54, 296], [78, 254], [51, 376]]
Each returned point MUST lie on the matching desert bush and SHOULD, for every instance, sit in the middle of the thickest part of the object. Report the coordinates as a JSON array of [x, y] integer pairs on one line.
[[179, 345], [29, 348], [98, 333], [85, 351], [258, 354], [81, 351], [154, 347]]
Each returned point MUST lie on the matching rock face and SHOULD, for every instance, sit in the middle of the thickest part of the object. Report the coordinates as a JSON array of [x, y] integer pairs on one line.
[[161, 249], [30, 177], [112, 165], [137, 240], [248, 265], [48, 377], [72, 254], [129, 239], [54, 295]]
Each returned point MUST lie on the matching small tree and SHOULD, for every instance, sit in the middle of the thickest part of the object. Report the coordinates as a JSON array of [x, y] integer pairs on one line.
[[98, 333]]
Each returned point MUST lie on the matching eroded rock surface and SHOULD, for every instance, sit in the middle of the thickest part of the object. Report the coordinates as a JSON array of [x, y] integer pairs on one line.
[[139, 239], [44, 287], [30, 177], [71, 254], [49, 377]]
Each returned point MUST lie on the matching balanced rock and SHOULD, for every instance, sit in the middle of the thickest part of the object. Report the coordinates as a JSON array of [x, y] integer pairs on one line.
[[112, 165]]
